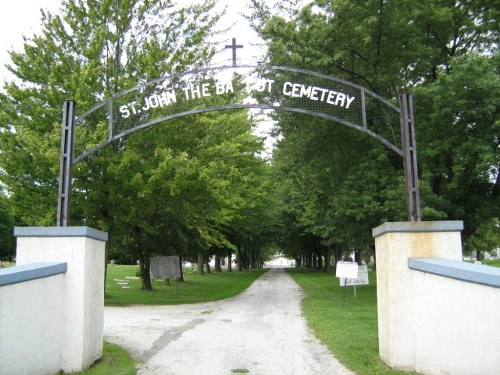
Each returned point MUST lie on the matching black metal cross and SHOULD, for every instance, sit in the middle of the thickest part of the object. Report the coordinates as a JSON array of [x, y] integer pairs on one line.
[[234, 46]]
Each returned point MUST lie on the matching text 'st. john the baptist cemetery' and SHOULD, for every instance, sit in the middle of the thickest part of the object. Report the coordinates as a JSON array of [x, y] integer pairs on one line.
[[170, 96], [230, 88]]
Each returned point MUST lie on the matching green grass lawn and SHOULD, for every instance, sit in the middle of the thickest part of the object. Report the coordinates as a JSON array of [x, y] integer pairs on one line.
[[493, 263], [115, 361], [350, 330], [196, 288]]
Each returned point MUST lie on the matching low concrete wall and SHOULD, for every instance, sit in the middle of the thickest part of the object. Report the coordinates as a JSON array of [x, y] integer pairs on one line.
[[455, 310], [30, 316], [79, 295], [428, 314]]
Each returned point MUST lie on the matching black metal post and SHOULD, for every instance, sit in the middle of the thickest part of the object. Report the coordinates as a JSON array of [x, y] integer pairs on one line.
[[410, 157], [66, 163]]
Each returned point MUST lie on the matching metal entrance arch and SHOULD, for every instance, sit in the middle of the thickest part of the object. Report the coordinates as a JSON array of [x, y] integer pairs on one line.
[[237, 87]]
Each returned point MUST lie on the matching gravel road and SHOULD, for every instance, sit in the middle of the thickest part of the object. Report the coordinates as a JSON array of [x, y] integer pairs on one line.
[[259, 332]]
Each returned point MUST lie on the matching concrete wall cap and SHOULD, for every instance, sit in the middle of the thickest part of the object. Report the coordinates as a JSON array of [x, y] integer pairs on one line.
[[60, 232], [27, 272], [458, 270], [418, 226]]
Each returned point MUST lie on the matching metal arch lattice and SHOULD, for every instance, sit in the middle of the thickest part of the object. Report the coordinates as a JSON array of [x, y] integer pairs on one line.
[[229, 88], [238, 87]]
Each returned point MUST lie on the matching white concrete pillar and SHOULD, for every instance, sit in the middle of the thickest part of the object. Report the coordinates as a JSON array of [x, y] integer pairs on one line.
[[83, 249], [394, 244]]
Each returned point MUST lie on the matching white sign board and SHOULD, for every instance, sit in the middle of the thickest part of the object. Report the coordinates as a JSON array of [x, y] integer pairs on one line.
[[360, 279], [347, 269]]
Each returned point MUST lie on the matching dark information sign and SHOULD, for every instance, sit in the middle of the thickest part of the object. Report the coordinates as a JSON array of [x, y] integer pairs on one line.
[[165, 267]]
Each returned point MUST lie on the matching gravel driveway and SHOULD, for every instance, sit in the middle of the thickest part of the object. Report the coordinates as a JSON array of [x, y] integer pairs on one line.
[[259, 332]]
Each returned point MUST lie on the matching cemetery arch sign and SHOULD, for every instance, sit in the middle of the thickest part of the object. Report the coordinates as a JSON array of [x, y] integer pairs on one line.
[[238, 87]]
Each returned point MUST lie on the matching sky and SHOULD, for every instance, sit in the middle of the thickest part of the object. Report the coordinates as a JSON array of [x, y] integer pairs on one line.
[[18, 18], [22, 17]]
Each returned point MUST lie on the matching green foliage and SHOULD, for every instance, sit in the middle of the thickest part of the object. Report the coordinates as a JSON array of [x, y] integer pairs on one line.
[[92, 50], [336, 186], [6, 229], [485, 238], [195, 187], [180, 188], [459, 142]]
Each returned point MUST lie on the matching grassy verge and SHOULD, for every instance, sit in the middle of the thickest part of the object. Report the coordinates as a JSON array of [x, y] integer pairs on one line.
[[196, 288], [115, 360], [493, 263], [350, 330]]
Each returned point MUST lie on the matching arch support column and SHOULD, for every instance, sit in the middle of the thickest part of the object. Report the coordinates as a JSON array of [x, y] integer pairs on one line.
[[66, 163], [410, 157]]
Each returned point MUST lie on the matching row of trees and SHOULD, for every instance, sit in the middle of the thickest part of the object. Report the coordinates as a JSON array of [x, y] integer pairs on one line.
[[193, 187], [335, 183], [198, 187]]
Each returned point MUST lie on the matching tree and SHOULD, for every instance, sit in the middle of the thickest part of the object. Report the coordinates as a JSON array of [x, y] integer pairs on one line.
[[459, 143], [388, 47], [335, 189], [385, 46], [93, 50], [6, 229]]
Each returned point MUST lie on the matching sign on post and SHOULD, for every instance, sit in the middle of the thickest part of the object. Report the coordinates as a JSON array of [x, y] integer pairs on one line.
[[351, 274], [165, 267], [361, 278], [347, 270]]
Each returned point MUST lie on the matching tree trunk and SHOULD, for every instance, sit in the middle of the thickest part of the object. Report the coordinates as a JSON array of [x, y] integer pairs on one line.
[[229, 256], [106, 257], [252, 258], [328, 259], [338, 252], [240, 258], [374, 257], [199, 268], [218, 267], [320, 260], [144, 266], [357, 257], [180, 279], [309, 261], [207, 263]]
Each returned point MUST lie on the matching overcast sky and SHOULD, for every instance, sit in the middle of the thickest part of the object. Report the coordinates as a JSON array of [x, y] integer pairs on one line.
[[19, 17], [22, 17]]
